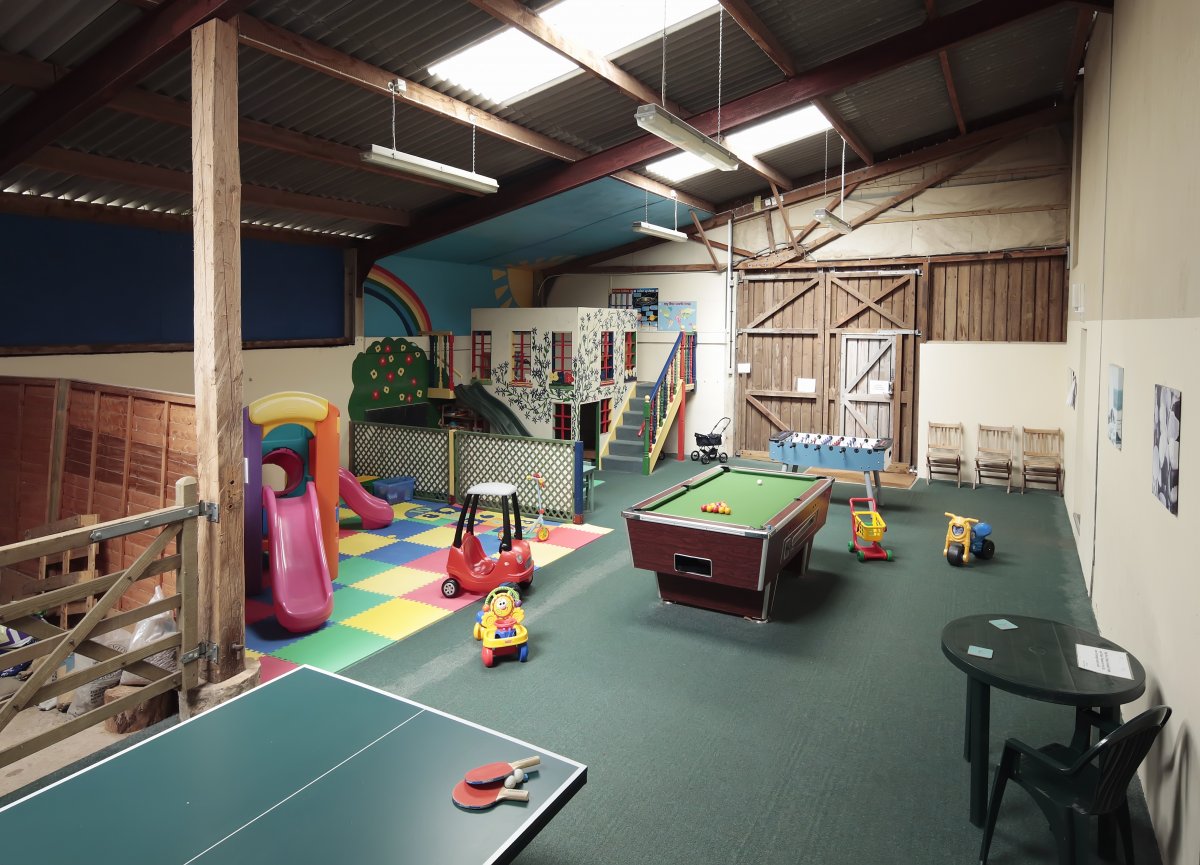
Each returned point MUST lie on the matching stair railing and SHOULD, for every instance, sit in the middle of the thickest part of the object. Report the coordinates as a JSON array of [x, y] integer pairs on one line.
[[663, 404]]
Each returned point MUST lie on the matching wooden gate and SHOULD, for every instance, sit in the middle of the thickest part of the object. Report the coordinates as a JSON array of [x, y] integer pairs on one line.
[[790, 351]]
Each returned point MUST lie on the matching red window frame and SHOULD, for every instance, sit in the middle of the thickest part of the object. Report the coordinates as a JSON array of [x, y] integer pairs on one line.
[[564, 359], [630, 355], [521, 345], [605, 414], [562, 421], [606, 357], [481, 354]]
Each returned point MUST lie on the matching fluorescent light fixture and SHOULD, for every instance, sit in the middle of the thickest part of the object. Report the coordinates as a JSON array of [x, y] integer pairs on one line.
[[832, 220], [670, 128], [659, 231], [406, 163]]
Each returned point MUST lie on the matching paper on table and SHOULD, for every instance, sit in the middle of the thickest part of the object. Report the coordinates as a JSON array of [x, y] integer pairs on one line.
[[1104, 661], [1002, 624], [979, 651]]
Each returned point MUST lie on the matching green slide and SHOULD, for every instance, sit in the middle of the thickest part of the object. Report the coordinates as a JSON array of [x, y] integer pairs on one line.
[[500, 417]]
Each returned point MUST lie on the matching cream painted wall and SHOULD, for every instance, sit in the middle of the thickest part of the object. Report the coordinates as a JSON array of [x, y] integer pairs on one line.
[[713, 397], [1141, 286], [997, 383], [322, 371]]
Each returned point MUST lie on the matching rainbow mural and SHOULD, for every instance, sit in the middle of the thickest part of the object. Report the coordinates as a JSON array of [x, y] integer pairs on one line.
[[394, 293]]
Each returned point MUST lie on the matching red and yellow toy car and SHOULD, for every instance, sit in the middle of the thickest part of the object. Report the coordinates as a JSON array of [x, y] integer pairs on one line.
[[468, 566]]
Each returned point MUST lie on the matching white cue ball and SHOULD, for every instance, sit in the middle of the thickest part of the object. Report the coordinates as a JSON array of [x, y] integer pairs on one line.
[[759, 482]]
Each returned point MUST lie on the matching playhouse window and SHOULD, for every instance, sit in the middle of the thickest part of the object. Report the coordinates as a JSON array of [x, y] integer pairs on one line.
[[630, 355], [481, 354], [605, 414], [606, 357], [564, 366], [521, 343], [562, 421]]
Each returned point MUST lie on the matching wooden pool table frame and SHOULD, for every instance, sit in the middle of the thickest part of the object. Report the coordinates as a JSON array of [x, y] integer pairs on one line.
[[744, 563]]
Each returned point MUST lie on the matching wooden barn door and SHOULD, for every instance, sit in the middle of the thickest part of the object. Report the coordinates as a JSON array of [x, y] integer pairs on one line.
[[871, 337], [781, 340], [867, 404]]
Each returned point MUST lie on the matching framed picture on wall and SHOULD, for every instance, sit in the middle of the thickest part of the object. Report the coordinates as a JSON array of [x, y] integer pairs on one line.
[[645, 301], [1116, 402], [1164, 477]]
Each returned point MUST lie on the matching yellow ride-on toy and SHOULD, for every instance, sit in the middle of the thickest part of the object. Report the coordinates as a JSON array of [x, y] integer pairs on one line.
[[967, 537]]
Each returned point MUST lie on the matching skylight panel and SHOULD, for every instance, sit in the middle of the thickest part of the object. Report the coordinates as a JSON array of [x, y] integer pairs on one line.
[[510, 63], [751, 140]]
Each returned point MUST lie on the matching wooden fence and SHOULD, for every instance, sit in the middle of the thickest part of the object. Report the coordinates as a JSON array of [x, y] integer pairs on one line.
[[167, 527]]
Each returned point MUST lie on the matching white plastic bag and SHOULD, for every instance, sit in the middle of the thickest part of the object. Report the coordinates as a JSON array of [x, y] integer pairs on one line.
[[148, 631]]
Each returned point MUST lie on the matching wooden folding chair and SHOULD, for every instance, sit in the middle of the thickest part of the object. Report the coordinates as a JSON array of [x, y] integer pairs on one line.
[[943, 451], [994, 455], [1041, 458]]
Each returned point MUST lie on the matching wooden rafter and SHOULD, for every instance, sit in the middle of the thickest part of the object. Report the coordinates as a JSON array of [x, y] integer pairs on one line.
[[1083, 28], [754, 27], [707, 245], [533, 25], [153, 177], [947, 76], [831, 77], [159, 35]]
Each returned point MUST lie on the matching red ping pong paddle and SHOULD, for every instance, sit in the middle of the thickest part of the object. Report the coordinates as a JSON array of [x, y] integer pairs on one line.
[[481, 798], [493, 772]]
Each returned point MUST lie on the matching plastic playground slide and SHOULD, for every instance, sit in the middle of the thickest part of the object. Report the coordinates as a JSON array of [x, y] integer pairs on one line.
[[500, 417], [299, 573], [375, 512]]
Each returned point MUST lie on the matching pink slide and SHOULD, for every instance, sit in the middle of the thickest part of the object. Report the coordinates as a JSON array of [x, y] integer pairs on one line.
[[375, 512], [299, 573]]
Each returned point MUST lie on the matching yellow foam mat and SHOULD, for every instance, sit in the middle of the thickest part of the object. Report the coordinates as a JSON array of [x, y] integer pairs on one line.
[[397, 581], [359, 544], [440, 537], [544, 554], [397, 618]]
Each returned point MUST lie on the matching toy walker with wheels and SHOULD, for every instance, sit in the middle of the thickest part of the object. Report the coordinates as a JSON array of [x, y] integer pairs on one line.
[[540, 530], [708, 445], [498, 626], [967, 537], [866, 531], [468, 566]]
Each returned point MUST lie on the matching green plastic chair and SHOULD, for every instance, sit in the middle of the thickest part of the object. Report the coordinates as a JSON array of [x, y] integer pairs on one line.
[[1065, 782]]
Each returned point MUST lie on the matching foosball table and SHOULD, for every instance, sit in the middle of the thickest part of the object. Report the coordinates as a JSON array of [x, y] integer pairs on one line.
[[797, 451]]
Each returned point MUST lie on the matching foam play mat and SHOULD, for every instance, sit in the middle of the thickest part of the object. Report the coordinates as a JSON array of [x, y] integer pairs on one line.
[[389, 586]]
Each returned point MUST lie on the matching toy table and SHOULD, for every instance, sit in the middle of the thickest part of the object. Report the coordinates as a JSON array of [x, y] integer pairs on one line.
[[728, 563]]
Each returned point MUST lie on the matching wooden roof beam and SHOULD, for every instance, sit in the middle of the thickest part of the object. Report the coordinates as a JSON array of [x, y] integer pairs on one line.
[[754, 27], [1083, 30], [944, 60], [152, 177], [329, 61], [831, 77], [159, 35]]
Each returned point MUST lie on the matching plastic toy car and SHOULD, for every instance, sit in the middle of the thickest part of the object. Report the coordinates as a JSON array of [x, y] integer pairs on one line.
[[498, 626], [468, 566], [967, 537]]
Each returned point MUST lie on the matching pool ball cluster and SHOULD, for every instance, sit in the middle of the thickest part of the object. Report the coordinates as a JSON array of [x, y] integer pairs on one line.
[[716, 508]]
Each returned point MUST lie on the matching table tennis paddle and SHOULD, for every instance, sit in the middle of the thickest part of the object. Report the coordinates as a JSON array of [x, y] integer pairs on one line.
[[493, 772], [481, 798]]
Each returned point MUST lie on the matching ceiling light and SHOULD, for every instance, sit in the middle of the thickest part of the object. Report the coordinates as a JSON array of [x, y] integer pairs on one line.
[[670, 128], [659, 231], [406, 163], [831, 220]]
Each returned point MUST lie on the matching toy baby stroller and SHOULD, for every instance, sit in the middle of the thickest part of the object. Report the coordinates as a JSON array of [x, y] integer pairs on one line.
[[709, 444]]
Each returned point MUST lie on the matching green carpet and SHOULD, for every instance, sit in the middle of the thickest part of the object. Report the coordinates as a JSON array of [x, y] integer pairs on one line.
[[832, 734]]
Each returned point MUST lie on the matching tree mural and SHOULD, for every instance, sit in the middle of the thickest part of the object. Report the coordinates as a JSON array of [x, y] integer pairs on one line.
[[389, 373], [531, 400]]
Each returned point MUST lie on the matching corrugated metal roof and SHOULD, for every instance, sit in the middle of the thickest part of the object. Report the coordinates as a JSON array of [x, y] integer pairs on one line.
[[906, 104], [62, 31], [816, 31]]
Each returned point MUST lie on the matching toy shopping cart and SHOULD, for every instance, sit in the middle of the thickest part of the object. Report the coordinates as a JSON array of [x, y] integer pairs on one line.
[[867, 528], [708, 445]]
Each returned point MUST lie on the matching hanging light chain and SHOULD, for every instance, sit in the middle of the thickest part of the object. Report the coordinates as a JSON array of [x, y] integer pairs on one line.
[[664, 56], [842, 206], [720, 64], [473, 143], [392, 90]]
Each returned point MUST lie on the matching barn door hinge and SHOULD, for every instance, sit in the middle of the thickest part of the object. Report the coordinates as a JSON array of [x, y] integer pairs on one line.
[[204, 649]]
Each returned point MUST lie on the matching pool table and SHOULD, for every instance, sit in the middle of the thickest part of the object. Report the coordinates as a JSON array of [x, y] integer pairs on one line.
[[728, 563]]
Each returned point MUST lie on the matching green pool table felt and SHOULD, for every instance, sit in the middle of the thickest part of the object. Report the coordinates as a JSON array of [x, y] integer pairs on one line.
[[753, 505]]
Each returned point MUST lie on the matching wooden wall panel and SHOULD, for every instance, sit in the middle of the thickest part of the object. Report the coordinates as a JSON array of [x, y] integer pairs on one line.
[[998, 299], [26, 454]]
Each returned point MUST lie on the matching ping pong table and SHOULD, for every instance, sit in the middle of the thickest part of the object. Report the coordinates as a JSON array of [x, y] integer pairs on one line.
[[310, 767]]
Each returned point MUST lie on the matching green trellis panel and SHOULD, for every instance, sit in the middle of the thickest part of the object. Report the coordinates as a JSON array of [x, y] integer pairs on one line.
[[485, 458], [386, 450]]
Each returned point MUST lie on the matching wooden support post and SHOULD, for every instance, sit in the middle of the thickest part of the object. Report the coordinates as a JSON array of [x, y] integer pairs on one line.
[[217, 357]]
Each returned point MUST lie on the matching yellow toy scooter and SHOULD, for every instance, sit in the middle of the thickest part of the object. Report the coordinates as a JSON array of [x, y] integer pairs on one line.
[[966, 537]]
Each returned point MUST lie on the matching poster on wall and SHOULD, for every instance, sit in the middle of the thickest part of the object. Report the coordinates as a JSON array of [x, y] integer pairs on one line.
[[677, 315], [645, 301], [1116, 402], [1164, 476]]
